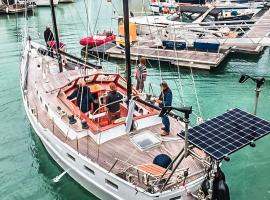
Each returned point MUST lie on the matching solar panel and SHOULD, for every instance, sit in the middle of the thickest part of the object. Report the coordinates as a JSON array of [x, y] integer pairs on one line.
[[227, 133]]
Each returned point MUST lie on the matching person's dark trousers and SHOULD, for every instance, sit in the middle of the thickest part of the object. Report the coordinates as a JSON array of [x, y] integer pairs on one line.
[[166, 123], [50, 50]]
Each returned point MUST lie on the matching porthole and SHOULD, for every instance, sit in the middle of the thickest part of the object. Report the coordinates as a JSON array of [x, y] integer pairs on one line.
[[111, 184], [71, 157], [89, 170], [46, 107]]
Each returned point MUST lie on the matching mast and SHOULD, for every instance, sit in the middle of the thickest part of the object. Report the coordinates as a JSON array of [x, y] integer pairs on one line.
[[56, 36], [127, 48]]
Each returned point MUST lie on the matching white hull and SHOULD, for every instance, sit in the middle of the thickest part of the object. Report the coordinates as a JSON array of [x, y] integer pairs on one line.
[[66, 1], [46, 2], [94, 182]]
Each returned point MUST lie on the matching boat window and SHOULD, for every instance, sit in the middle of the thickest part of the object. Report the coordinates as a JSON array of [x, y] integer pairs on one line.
[[106, 77], [89, 78], [176, 198], [46, 107], [122, 83], [40, 99], [71, 157], [111, 184], [89, 170], [174, 17]]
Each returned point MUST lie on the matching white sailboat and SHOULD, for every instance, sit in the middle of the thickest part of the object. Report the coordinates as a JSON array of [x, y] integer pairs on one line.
[[118, 160], [66, 1], [46, 2]]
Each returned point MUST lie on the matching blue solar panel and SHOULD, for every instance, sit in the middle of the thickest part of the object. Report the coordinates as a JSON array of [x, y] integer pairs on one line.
[[227, 133]]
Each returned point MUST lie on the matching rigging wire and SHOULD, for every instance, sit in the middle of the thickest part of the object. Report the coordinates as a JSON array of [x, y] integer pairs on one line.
[[179, 76], [178, 70], [88, 27], [151, 34]]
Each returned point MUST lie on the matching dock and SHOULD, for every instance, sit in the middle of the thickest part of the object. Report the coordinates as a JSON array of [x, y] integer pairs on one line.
[[184, 58], [255, 32], [252, 42], [16, 8]]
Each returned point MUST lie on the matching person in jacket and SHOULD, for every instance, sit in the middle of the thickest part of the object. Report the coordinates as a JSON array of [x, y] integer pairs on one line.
[[165, 99], [113, 101], [141, 74], [48, 36], [83, 96]]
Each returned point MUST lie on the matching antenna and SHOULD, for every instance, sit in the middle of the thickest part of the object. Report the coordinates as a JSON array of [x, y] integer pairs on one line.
[[259, 83]]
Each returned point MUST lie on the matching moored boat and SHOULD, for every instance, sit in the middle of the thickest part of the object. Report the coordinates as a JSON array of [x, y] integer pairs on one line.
[[125, 158], [12, 7], [97, 40], [45, 2]]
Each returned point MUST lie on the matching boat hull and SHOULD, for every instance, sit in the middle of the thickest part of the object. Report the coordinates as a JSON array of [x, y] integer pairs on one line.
[[75, 164], [92, 42], [66, 1], [46, 2]]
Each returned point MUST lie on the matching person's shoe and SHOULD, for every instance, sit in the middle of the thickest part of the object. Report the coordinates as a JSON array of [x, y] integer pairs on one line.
[[165, 133], [163, 128]]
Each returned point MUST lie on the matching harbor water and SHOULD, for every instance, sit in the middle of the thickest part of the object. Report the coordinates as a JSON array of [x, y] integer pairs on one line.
[[26, 169]]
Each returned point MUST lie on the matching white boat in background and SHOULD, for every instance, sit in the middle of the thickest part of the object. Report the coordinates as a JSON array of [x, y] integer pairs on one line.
[[66, 1], [46, 2]]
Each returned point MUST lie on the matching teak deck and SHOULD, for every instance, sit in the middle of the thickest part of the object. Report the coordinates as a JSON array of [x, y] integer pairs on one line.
[[105, 154]]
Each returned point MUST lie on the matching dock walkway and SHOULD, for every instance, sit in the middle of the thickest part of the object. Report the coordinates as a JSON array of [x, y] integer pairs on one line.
[[256, 32], [185, 58]]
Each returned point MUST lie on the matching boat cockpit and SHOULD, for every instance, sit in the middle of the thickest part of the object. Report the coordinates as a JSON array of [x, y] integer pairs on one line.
[[97, 118]]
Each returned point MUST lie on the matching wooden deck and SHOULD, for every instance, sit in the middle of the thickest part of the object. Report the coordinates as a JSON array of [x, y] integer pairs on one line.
[[185, 58], [121, 148], [256, 32]]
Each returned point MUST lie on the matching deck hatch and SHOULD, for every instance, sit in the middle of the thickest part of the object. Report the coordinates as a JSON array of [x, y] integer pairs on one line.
[[145, 140]]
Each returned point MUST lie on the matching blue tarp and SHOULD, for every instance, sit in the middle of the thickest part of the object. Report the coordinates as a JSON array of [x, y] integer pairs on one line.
[[206, 46]]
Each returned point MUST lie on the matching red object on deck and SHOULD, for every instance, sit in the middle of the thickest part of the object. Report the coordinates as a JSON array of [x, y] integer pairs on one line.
[[52, 44], [96, 40]]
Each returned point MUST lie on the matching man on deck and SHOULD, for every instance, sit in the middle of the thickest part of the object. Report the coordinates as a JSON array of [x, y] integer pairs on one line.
[[113, 101], [165, 99], [48, 36]]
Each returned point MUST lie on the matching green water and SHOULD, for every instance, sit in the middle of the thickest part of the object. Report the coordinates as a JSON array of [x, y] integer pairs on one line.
[[26, 170]]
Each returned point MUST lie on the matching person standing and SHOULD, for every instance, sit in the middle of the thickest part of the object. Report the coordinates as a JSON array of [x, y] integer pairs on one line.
[[165, 99], [141, 74], [48, 36]]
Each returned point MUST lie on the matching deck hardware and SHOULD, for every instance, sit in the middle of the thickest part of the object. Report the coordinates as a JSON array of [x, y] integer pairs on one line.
[[259, 83], [85, 125], [71, 119]]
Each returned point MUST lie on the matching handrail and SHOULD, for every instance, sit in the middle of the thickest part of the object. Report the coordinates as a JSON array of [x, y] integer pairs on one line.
[[105, 105]]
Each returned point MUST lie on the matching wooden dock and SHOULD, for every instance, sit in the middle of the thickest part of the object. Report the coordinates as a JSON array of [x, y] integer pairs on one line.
[[255, 32], [252, 42], [184, 58]]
